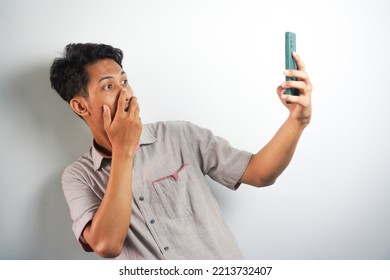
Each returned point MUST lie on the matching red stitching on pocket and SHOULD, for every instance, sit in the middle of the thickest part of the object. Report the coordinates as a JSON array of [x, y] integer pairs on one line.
[[175, 175]]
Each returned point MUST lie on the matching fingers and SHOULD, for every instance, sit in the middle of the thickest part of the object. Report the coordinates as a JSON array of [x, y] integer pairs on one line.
[[122, 123], [283, 96], [134, 110], [292, 99], [126, 108], [302, 82], [300, 85], [122, 104], [300, 75], [299, 106], [280, 91], [298, 60], [127, 105], [106, 117], [304, 90]]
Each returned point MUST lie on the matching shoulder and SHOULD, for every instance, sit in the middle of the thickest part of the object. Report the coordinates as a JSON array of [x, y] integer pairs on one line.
[[80, 167], [171, 125], [178, 128]]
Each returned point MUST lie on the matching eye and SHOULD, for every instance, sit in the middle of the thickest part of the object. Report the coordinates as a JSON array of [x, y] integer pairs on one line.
[[124, 82], [107, 87]]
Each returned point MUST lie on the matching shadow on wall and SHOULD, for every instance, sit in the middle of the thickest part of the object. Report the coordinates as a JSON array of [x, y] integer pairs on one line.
[[56, 225], [56, 137]]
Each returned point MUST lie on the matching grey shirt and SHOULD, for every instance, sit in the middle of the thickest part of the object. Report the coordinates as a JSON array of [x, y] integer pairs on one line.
[[174, 214]]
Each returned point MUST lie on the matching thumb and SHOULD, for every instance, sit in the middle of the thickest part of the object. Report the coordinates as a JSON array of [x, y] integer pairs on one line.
[[106, 117]]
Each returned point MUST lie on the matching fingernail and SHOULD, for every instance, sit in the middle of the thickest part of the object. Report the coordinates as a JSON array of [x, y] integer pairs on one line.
[[283, 84], [286, 72]]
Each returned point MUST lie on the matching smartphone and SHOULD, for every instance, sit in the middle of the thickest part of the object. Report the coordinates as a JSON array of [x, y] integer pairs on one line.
[[290, 46]]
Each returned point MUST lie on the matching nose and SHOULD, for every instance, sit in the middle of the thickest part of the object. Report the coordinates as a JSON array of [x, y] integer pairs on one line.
[[128, 92], [126, 89]]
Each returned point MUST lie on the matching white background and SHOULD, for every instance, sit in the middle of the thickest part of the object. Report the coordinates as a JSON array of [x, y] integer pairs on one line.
[[217, 64]]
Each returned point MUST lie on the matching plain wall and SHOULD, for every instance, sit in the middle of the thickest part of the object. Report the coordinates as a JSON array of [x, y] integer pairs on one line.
[[216, 64]]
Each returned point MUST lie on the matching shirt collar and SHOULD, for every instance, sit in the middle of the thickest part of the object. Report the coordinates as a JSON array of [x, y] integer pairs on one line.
[[97, 156]]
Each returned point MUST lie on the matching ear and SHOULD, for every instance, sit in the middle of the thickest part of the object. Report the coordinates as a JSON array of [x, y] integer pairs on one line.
[[79, 106]]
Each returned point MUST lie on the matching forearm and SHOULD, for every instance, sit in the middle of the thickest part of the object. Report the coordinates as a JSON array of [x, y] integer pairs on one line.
[[266, 165], [109, 227], [277, 154]]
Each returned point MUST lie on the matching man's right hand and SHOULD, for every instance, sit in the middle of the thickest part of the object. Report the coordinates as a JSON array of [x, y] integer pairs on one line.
[[125, 127]]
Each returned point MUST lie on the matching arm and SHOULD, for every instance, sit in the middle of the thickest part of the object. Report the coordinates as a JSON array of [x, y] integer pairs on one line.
[[106, 233], [266, 165]]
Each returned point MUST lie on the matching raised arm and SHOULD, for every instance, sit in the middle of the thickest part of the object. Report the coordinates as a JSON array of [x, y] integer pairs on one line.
[[267, 164]]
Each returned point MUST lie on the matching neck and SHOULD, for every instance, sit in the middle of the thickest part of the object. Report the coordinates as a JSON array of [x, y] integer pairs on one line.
[[100, 138], [101, 148]]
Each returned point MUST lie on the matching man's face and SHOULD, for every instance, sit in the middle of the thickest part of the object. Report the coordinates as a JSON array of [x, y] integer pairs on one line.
[[106, 81]]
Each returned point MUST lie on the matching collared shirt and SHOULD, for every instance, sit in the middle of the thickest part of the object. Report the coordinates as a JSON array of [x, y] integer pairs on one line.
[[174, 214]]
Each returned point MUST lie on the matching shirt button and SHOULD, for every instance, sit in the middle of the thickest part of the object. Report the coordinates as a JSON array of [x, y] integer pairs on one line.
[[166, 248], [141, 198], [152, 221]]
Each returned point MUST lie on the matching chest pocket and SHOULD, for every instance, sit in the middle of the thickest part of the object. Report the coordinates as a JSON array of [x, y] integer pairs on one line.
[[173, 192]]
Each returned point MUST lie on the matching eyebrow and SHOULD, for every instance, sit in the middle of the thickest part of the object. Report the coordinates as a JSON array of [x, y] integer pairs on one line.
[[110, 77]]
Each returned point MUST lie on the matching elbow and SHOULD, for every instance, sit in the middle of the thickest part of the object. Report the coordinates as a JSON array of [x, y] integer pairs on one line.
[[265, 182], [103, 244], [268, 183], [108, 249]]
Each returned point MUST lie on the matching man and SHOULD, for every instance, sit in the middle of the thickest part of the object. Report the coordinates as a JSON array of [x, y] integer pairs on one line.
[[140, 191]]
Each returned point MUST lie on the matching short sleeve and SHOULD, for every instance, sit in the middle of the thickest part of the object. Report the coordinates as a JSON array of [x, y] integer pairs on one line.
[[218, 159], [82, 201]]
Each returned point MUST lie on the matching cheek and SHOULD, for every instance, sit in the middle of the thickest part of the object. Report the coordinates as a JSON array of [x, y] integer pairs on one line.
[[113, 105], [96, 107], [112, 102]]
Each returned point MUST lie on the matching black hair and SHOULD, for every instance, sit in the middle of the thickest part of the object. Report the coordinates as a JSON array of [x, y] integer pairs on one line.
[[68, 75]]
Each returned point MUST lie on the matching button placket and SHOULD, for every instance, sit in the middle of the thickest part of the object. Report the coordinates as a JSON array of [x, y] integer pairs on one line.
[[143, 200]]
